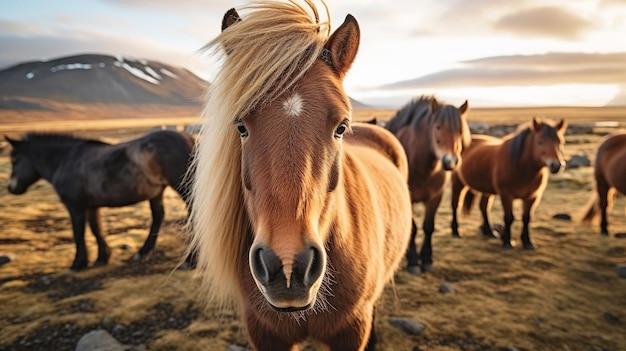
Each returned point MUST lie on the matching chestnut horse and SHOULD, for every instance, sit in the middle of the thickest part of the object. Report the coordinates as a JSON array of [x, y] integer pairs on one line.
[[433, 136], [298, 215], [515, 167], [610, 175]]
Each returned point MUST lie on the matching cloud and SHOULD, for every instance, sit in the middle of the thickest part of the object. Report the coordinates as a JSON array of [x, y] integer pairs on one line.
[[546, 21], [16, 48], [176, 6], [531, 70]]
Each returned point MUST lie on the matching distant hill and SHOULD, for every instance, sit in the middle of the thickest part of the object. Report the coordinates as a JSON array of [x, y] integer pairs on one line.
[[88, 79], [94, 85]]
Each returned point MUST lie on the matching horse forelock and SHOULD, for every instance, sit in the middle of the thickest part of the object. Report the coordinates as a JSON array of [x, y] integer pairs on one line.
[[266, 53]]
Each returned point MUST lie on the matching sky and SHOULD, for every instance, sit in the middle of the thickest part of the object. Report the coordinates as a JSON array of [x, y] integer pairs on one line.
[[493, 53]]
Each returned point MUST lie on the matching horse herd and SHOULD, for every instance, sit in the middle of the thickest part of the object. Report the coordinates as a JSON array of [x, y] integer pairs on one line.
[[299, 216]]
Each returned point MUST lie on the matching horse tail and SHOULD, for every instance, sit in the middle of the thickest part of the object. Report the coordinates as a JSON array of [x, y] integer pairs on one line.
[[592, 209], [468, 202]]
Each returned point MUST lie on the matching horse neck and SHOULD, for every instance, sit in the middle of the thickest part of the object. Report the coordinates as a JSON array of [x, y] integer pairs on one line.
[[47, 159], [424, 157], [525, 162]]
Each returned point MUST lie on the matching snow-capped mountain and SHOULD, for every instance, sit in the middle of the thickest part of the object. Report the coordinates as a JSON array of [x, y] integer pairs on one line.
[[95, 79]]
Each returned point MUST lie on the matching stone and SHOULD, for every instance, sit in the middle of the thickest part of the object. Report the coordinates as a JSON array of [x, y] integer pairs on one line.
[[99, 340], [446, 288], [620, 269], [407, 325], [4, 259], [577, 161]]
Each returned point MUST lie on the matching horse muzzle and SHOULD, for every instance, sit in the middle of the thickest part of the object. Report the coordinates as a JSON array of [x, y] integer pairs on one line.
[[14, 188], [449, 162], [288, 286], [555, 166]]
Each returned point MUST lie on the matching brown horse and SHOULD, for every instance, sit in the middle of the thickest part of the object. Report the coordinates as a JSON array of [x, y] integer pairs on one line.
[[298, 214], [609, 174], [515, 167], [433, 136]]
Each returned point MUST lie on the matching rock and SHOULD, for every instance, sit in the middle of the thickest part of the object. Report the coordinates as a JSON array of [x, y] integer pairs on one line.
[[407, 325], [4, 259], [107, 322], [611, 318], [620, 269], [562, 216], [99, 340], [577, 161], [237, 348], [446, 288], [125, 247]]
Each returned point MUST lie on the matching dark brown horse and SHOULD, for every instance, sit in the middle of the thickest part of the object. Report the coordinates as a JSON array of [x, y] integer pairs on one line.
[[515, 167], [299, 215], [433, 136], [610, 175], [88, 174]]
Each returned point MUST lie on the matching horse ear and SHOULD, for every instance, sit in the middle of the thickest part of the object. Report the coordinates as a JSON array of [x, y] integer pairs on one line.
[[13, 142], [230, 17], [537, 124], [561, 126], [343, 45], [434, 105], [463, 108]]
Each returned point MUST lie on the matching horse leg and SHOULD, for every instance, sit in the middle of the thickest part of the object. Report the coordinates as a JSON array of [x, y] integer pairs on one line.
[[264, 339], [458, 191], [354, 336], [604, 199], [156, 206], [486, 201], [426, 253], [371, 342], [507, 207], [104, 252], [528, 208], [77, 216], [412, 257]]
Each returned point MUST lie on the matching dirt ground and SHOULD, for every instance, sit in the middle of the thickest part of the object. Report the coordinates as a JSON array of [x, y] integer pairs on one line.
[[563, 296]]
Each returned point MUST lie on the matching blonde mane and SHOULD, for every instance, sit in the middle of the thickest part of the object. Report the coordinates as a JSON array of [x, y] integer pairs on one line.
[[261, 57]]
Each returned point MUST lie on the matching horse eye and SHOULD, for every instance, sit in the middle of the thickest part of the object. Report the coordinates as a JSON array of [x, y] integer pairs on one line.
[[340, 130], [243, 132], [438, 141]]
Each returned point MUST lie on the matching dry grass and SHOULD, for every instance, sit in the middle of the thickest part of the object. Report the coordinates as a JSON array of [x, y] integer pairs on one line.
[[563, 296]]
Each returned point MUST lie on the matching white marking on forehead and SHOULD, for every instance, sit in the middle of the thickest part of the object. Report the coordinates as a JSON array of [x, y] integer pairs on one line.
[[293, 105]]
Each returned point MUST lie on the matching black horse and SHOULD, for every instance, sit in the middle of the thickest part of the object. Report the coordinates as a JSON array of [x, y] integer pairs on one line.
[[88, 174]]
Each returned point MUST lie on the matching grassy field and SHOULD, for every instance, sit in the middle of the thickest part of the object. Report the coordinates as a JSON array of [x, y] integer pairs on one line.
[[563, 296]]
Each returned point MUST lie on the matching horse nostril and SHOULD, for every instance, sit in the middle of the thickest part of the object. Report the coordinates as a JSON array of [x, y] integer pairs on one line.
[[555, 167], [308, 266], [265, 265]]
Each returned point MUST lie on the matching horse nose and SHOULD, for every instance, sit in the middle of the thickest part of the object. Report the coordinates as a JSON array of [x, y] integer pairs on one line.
[[305, 270], [448, 162], [554, 166]]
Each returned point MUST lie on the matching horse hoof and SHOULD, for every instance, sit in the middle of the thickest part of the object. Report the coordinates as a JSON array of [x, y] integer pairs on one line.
[[137, 257], [507, 246], [428, 268], [100, 263], [414, 269], [456, 235], [77, 268], [529, 247]]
